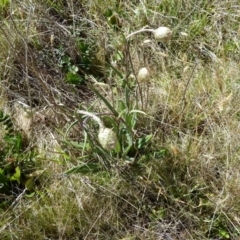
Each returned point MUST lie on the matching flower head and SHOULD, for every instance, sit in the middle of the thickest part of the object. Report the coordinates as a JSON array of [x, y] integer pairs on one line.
[[143, 75], [162, 34], [107, 138]]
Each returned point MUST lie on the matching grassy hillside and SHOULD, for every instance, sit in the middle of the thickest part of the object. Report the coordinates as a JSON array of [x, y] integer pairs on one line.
[[90, 149]]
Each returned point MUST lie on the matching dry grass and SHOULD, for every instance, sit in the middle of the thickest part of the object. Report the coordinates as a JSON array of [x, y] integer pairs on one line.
[[185, 184]]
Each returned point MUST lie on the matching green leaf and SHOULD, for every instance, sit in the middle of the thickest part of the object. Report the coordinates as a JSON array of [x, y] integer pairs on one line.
[[113, 20], [115, 70], [29, 184], [3, 4], [73, 78], [108, 104], [138, 111], [131, 120], [30, 195], [108, 12], [84, 168], [18, 142], [17, 175], [144, 141], [70, 127], [3, 178], [122, 106], [117, 149], [129, 138], [224, 234], [126, 150], [127, 96], [74, 144], [4, 183], [110, 122], [122, 114]]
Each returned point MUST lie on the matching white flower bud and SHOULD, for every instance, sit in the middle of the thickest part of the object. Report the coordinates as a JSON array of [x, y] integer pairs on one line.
[[107, 138], [184, 34], [143, 75], [147, 41], [162, 34]]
